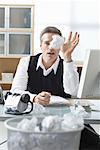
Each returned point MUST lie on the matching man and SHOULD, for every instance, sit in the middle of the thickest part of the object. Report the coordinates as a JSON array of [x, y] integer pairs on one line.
[[46, 74]]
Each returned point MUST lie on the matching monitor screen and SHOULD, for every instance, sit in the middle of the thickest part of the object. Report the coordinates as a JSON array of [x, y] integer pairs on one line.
[[89, 86]]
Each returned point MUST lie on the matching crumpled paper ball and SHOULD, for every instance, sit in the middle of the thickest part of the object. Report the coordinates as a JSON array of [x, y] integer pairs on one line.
[[57, 42]]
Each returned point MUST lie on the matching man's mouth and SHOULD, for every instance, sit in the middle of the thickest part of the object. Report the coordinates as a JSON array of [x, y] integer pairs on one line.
[[50, 53]]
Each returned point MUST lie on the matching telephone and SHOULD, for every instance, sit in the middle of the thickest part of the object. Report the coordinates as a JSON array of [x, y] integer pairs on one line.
[[17, 104], [1, 96]]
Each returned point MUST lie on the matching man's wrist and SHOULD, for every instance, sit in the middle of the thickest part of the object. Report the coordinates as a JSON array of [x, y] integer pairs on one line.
[[68, 61], [68, 58]]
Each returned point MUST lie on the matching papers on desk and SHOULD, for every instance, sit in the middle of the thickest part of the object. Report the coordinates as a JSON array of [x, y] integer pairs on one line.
[[92, 103], [95, 105], [57, 100]]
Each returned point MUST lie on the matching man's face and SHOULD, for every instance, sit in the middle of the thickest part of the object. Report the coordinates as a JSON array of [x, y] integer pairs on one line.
[[49, 54]]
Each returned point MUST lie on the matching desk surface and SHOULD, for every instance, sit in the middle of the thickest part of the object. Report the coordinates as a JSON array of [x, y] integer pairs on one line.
[[93, 117]]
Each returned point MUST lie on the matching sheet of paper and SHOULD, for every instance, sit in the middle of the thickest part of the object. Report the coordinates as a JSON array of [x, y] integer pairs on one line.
[[95, 105]]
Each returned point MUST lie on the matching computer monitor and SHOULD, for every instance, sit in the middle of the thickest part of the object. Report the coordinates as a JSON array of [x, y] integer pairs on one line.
[[89, 86]]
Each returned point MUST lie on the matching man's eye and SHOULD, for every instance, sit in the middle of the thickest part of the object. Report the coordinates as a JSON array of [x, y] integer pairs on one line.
[[47, 43]]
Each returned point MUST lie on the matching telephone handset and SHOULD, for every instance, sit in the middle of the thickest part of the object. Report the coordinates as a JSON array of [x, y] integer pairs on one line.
[[1, 96]]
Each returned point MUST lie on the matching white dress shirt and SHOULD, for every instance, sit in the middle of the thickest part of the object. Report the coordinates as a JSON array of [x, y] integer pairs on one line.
[[70, 76]]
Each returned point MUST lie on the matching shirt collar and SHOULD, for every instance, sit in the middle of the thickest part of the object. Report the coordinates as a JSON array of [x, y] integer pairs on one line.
[[54, 66]]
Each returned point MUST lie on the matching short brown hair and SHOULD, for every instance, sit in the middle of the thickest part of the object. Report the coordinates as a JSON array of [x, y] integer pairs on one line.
[[50, 29]]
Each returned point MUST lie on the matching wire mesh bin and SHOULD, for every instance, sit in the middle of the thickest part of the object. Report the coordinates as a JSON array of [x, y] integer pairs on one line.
[[27, 140]]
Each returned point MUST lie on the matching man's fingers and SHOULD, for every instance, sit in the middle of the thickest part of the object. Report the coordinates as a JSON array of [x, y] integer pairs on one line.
[[43, 97], [45, 94], [70, 36], [72, 39], [42, 102], [75, 37]]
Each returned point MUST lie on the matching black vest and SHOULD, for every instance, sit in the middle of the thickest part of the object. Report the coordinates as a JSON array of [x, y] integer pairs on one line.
[[52, 83]]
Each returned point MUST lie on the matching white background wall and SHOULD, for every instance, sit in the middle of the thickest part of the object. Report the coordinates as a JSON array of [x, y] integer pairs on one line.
[[70, 15], [82, 16]]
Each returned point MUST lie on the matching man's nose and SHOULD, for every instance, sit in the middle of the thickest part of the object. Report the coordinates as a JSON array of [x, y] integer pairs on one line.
[[50, 48]]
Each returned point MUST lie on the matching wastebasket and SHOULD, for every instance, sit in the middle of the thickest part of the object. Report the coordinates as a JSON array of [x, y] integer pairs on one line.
[[26, 140]]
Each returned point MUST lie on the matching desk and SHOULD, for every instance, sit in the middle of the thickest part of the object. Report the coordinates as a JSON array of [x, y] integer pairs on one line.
[[92, 118]]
